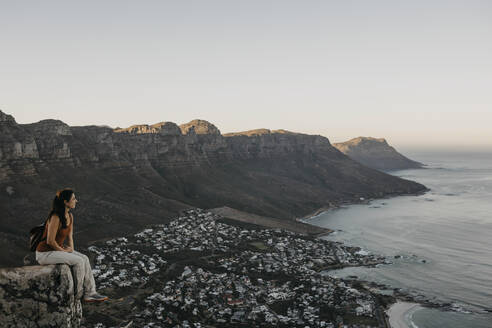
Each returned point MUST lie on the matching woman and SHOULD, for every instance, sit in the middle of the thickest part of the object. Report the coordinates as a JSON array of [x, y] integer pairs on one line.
[[52, 249]]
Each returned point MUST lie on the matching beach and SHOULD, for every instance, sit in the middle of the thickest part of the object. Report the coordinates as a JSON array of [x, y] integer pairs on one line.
[[397, 313]]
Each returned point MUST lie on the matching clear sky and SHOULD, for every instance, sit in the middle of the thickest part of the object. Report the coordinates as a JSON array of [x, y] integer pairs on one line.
[[415, 72]]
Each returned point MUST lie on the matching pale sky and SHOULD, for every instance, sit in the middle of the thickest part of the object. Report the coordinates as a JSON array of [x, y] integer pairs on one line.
[[418, 73]]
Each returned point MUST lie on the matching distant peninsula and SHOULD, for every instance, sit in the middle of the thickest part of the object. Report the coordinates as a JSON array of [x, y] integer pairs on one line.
[[376, 153]]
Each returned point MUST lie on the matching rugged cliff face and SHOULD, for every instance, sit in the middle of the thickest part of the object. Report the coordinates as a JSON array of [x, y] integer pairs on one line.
[[376, 153], [18, 149], [127, 178]]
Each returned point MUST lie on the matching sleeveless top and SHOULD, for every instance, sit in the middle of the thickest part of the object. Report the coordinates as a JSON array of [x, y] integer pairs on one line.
[[61, 235]]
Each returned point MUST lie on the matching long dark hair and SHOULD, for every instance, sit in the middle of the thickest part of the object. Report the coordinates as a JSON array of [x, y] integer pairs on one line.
[[58, 206]]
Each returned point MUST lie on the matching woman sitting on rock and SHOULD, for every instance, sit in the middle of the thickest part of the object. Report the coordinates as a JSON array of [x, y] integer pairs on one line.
[[52, 249]]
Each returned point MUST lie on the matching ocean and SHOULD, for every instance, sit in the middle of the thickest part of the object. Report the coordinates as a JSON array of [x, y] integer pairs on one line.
[[440, 243]]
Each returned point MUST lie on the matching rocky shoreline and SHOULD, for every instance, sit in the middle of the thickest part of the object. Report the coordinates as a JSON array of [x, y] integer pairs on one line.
[[406, 301]]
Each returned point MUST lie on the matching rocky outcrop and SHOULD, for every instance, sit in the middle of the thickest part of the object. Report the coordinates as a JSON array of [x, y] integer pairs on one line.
[[38, 296], [53, 139], [49, 127], [168, 128], [258, 132], [6, 119], [129, 178], [18, 149], [376, 153], [165, 128], [15, 143], [199, 127]]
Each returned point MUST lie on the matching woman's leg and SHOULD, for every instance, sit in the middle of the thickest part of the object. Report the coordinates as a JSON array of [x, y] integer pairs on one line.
[[57, 257], [89, 282]]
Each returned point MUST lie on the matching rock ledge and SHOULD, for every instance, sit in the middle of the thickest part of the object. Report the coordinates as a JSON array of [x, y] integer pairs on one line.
[[38, 296]]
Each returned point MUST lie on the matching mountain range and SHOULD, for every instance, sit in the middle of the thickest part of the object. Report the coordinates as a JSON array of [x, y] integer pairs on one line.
[[127, 178]]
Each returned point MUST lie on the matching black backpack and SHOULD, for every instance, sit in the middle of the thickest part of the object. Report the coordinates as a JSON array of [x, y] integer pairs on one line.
[[36, 236]]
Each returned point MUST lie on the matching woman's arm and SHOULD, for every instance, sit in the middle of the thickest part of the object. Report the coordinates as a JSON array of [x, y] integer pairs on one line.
[[70, 234], [53, 224]]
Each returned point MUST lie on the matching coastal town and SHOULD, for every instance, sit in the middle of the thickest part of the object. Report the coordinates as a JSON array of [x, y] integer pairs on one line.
[[203, 270]]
